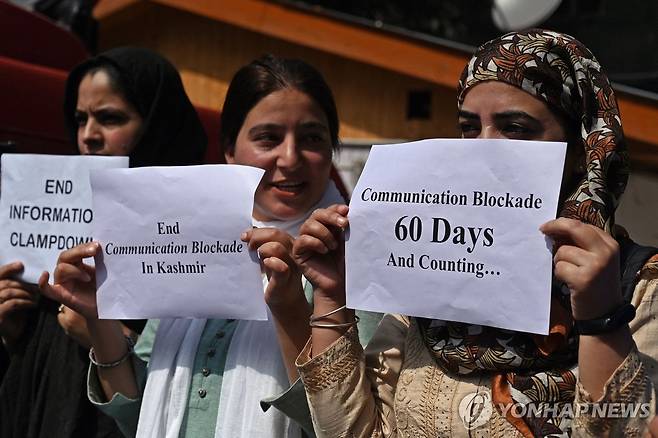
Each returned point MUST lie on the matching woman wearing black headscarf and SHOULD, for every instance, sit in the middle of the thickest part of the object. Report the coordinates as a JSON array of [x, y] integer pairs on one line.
[[171, 133], [126, 101]]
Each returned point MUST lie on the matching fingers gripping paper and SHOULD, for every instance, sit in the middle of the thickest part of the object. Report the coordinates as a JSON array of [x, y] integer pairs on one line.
[[449, 229], [171, 246]]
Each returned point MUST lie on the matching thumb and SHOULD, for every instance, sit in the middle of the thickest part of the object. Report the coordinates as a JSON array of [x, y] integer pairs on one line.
[[276, 280], [278, 273], [276, 269]]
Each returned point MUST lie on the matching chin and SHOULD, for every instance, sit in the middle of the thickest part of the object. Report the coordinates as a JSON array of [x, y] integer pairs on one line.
[[281, 213]]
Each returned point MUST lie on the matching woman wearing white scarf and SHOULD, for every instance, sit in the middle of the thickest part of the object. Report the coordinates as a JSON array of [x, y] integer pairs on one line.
[[279, 115], [254, 369]]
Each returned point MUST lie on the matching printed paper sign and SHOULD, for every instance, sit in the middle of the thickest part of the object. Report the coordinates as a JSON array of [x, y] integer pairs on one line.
[[171, 245], [449, 229], [45, 207]]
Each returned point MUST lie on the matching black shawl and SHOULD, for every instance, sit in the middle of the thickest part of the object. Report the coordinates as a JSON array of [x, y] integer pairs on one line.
[[43, 393]]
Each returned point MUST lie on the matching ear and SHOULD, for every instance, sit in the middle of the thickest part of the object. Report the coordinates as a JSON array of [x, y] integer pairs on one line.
[[229, 157]]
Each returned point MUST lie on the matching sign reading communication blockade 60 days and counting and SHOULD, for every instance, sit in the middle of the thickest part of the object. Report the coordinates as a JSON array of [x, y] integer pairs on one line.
[[449, 229]]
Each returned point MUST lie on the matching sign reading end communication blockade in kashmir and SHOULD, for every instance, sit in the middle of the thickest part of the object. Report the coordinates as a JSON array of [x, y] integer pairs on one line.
[[449, 229], [46, 207], [171, 247]]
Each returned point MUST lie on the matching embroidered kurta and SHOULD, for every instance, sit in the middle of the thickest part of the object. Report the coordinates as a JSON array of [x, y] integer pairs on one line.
[[396, 389]]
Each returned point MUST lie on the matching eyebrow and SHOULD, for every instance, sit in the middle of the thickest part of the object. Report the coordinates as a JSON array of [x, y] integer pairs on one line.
[[263, 127], [467, 115], [105, 108], [274, 126], [314, 125], [515, 115], [505, 115]]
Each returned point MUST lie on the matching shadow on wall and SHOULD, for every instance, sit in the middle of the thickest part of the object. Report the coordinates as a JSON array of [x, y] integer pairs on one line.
[[639, 208]]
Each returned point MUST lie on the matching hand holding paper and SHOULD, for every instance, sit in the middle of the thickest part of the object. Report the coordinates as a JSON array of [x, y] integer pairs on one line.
[[273, 247], [587, 261], [319, 251], [15, 296], [74, 281], [284, 293]]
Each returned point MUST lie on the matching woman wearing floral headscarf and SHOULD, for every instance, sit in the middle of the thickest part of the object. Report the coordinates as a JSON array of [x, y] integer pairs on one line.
[[433, 378]]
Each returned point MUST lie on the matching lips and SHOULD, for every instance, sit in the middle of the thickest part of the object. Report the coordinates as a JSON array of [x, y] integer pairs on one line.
[[288, 188]]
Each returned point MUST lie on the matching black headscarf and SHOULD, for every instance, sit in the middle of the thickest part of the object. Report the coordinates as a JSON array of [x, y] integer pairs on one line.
[[172, 133]]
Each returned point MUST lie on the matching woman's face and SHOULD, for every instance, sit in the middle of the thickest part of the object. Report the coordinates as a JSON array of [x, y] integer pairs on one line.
[[499, 110], [107, 123], [287, 135]]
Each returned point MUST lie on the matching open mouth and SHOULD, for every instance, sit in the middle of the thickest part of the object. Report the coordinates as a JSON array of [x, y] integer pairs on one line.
[[289, 188]]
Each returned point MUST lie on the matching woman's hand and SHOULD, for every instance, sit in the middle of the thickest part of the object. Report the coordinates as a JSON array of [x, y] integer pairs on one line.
[[74, 281], [284, 293], [74, 325], [15, 298], [653, 429], [75, 287], [319, 250], [274, 247], [587, 261]]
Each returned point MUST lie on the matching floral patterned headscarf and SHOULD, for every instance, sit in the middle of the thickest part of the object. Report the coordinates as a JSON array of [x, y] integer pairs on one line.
[[562, 72], [531, 369]]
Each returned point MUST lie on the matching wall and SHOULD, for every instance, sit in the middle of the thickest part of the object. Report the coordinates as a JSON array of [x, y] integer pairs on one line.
[[372, 101]]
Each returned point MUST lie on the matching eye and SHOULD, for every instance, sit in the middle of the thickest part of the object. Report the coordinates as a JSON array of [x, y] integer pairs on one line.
[[515, 127], [517, 131], [314, 139], [469, 129], [112, 118], [80, 118], [267, 139]]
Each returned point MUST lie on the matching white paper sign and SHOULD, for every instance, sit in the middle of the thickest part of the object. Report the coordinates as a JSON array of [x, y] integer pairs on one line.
[[171, 243], [448, 229], [45, 207]]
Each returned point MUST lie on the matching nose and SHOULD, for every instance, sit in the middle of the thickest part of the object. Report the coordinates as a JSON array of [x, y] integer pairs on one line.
[[488, 132], [90, 138], [289, 154]]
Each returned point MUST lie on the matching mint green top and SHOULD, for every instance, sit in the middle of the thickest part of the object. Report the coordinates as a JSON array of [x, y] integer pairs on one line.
[[203, 400]]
